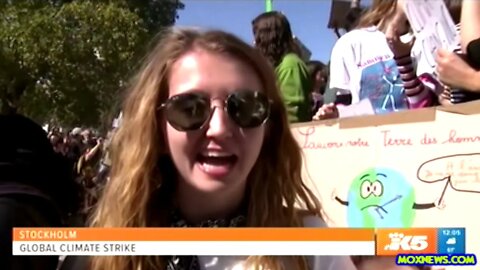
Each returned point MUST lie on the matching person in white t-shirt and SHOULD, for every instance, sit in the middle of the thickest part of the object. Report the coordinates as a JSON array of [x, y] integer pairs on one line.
[[369, 66]]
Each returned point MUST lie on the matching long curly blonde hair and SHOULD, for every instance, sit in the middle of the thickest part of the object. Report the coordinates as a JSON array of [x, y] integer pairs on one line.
[[140, 189], [377, 13]]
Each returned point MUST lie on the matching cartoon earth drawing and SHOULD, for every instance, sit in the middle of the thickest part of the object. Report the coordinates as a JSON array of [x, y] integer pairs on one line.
[[381, 197]]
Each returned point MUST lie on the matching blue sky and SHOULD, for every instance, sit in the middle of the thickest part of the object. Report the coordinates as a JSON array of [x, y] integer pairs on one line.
[[309, 19]]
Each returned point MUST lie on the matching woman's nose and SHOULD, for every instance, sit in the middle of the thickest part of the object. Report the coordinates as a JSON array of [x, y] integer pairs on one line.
[[220, 125]]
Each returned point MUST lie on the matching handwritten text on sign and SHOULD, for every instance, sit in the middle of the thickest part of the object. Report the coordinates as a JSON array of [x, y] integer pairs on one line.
[[433, 28], [309, 140], [462, 170]]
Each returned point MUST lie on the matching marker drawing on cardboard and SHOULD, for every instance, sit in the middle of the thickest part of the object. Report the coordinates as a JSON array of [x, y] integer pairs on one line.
[[382, 198], [417, 168], [460, 171]]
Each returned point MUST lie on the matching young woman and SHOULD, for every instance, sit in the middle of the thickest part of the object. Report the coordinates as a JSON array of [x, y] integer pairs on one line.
[[274, 38], [369, 65], [205, 141], [319, 76]]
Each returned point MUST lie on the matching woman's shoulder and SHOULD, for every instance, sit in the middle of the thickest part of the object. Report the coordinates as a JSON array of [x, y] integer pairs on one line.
[[311, 219], [324, 262], [291, 60], [314, 221], [359, 36]]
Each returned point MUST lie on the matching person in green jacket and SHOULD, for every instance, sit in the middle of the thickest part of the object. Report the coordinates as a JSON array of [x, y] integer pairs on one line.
[[274, 38]]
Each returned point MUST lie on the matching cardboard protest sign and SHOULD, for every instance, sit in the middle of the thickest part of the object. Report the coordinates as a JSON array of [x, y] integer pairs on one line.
[[417, 168], [433, 28]]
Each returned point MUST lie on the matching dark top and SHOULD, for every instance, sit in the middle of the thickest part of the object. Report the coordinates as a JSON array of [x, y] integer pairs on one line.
[[75, 263], [25, 211], [473, 53], [36, 188], [473, 58]]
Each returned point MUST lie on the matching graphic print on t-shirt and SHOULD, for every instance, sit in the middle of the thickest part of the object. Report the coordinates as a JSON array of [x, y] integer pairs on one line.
[[381, 83]]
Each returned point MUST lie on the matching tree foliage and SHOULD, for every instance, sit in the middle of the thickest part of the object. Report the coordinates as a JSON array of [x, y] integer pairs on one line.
[[153, 12], [67, 60]]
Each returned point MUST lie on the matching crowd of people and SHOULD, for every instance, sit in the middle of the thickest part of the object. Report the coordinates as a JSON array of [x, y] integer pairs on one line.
[[88, 155], [205, 138], [375, 62]]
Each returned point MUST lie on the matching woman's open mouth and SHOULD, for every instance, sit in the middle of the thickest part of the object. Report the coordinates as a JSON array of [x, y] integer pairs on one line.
[[216, 164]]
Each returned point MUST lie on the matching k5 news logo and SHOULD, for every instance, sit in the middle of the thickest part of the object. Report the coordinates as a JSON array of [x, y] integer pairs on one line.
[[401, 242], [406, 241]]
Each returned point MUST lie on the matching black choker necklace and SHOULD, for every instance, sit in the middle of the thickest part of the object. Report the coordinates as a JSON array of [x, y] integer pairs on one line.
[[191, 262], [236, 221]]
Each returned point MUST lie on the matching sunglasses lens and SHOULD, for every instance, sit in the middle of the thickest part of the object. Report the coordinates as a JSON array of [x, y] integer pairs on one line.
[[187, 111], [248, 109]]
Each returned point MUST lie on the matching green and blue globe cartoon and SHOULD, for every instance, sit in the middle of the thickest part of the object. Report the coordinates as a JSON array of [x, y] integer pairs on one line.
[[381, 198]]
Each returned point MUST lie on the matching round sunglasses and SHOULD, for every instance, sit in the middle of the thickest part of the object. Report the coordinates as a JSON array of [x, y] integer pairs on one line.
[[191, 111]]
